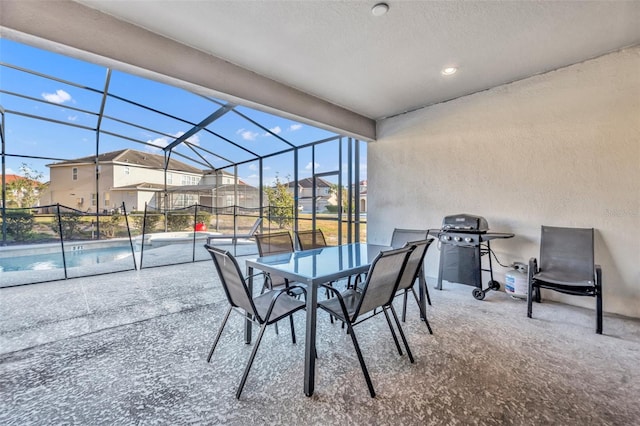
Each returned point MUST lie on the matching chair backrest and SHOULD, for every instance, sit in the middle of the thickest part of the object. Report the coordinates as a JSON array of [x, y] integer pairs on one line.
[[255, 226], [382, 279], [414, 263], [311, 239], [274, 243], [400, 237], [567, 249], [234, 284]]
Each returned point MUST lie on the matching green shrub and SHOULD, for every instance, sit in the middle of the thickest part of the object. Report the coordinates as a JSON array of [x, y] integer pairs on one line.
[[179, 221], [204, 217], [109, 226], [70, 223], [19, 224], [137, 219]]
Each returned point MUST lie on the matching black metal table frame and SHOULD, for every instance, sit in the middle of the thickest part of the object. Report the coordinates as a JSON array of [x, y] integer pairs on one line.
[[285, 266]]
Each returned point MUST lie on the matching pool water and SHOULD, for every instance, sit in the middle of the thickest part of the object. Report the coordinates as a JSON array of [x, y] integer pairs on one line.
[[37, 262]]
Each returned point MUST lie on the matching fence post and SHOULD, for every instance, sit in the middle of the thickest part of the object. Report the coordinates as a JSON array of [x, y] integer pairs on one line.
[[133, 250], [64, 259]]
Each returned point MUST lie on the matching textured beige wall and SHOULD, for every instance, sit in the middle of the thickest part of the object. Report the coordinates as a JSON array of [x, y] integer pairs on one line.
[[562, 148]]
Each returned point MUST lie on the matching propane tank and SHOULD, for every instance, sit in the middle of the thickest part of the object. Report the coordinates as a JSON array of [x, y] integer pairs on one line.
[[516, 281]]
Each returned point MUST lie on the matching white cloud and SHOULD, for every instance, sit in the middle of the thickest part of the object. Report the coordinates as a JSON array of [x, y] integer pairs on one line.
[[310, 167], [253, 167], [57, 98], [158, 143], [248, 135], [295, 127], [72, 117], [277, 130], [10, 171], [195, 139]]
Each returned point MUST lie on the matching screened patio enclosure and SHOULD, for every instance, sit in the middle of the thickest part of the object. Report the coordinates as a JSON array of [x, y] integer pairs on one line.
[[102, 142]]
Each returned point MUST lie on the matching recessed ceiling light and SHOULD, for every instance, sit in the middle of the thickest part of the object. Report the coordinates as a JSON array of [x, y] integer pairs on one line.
[[380, 9], [449, 70]]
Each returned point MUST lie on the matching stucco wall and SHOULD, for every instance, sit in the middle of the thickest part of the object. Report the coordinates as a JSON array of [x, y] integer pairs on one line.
[[561, 149]]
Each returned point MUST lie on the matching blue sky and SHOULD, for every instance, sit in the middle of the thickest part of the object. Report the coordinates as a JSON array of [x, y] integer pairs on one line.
[[78, 104]]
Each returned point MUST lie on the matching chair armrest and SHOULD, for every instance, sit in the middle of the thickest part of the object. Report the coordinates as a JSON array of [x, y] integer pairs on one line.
[[330, 288], [598, 269], [533, 267]]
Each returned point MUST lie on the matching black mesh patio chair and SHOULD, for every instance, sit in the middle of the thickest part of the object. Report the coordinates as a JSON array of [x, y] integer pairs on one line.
[[355, 306], [311, 239], [409, 276], [265, 309], [567, 266], [274, 243], [400, 237]]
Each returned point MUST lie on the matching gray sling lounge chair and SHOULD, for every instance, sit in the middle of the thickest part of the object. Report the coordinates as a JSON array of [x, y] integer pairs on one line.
[[567, 266]]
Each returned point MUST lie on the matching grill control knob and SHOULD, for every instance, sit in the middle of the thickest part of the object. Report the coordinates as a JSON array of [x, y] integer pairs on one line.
[[457, 239], [446, 238], [468, 239]]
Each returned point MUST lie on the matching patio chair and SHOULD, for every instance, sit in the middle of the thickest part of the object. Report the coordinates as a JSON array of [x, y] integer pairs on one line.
[[274, 243], [265, 309], [567, 266], [235, 237], [409, 276], [352, 306], [400, 237], [311, 239]]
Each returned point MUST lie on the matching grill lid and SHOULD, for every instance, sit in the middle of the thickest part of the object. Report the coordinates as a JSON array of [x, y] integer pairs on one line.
[[465, 222]]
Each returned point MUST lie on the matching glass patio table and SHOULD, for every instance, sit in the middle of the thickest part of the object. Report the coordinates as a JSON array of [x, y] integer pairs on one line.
[[312, 268]]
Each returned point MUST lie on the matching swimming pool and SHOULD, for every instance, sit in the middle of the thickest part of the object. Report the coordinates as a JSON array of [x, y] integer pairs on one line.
[[45, 261]]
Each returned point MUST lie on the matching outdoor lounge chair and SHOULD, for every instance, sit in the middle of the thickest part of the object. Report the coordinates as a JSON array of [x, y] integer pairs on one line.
[[265, 309], [567, 266], [235, 237]]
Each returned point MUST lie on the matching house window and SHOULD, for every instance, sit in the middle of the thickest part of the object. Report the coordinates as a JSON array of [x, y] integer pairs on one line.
[[107, 201], [74, 173], [169, 179], [126, 170], [94, 199]]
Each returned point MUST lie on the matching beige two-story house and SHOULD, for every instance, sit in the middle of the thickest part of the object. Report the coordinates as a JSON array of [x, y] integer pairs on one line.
[[128, 176], [324, 196]]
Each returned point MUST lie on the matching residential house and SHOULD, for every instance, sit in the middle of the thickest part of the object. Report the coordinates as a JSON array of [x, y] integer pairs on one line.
[[363, 196], [127, 176], [324, 196], [217, 188], [26, 193]]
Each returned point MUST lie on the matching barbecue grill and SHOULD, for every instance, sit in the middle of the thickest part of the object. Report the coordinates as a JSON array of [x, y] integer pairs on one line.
[[464, 241]]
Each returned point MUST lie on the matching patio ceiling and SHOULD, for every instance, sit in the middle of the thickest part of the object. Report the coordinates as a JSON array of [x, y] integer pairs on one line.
[[337, 53]]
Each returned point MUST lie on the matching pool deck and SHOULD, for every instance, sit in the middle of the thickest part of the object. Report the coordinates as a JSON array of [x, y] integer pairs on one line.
[[131, 348]]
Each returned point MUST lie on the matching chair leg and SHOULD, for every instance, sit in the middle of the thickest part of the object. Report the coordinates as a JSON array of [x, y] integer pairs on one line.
[[393, 332], [215, 342], [598, 299], [422, 314], [426, 292], [404, 338], [250, 362], [293, 330], [361, 359], [530, 299], [404, 305]]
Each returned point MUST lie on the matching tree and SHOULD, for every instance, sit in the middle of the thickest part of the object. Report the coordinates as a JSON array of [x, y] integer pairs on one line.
[[334, 189], [25, 190], [280, 203]]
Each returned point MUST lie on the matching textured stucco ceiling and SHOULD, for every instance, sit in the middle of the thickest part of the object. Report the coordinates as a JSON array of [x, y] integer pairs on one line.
[[382, 66]]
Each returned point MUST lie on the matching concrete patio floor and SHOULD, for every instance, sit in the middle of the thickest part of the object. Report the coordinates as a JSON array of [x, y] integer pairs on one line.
[[131, 347]]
